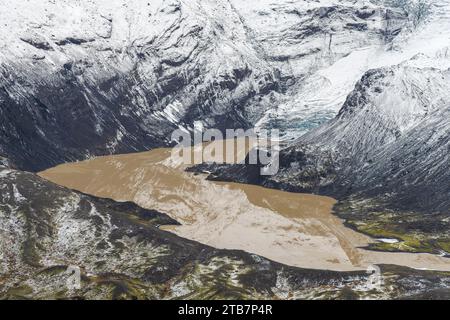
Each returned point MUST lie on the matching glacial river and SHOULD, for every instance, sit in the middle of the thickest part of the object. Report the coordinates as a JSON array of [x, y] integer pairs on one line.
[[291, 228]]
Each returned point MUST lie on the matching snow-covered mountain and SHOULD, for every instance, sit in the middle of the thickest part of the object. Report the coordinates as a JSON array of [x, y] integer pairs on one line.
[[360, 92], [392, 132], [82, 78], [386, 155], [392, 128]]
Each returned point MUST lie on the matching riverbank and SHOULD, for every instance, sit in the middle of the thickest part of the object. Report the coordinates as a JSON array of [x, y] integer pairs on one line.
[[294, 229]]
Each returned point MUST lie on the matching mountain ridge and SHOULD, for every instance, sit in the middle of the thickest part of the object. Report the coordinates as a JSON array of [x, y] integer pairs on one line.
[[118, 78]]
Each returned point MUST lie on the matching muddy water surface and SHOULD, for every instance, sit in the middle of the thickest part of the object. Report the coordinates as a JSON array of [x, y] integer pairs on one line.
[[291, 228]]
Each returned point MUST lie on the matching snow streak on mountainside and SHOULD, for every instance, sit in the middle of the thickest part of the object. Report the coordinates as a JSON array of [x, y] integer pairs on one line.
[[81, 78]]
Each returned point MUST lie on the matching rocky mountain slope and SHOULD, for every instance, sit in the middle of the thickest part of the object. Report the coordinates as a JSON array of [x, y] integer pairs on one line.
[[87, 78], [122, 254], [386, 154]]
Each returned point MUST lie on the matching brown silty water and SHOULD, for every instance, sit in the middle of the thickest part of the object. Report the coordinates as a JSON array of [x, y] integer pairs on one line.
[[291, 228]]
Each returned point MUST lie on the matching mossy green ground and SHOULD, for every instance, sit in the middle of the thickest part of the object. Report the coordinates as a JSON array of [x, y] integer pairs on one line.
[[415, 231]]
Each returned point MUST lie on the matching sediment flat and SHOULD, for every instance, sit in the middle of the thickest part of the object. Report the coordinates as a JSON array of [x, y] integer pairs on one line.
[[291, 228]]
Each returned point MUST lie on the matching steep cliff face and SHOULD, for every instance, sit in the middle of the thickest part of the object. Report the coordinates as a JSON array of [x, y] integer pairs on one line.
[[88, 78]]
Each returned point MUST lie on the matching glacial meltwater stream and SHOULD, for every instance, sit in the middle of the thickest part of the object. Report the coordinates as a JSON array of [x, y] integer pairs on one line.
[[294, 229]]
